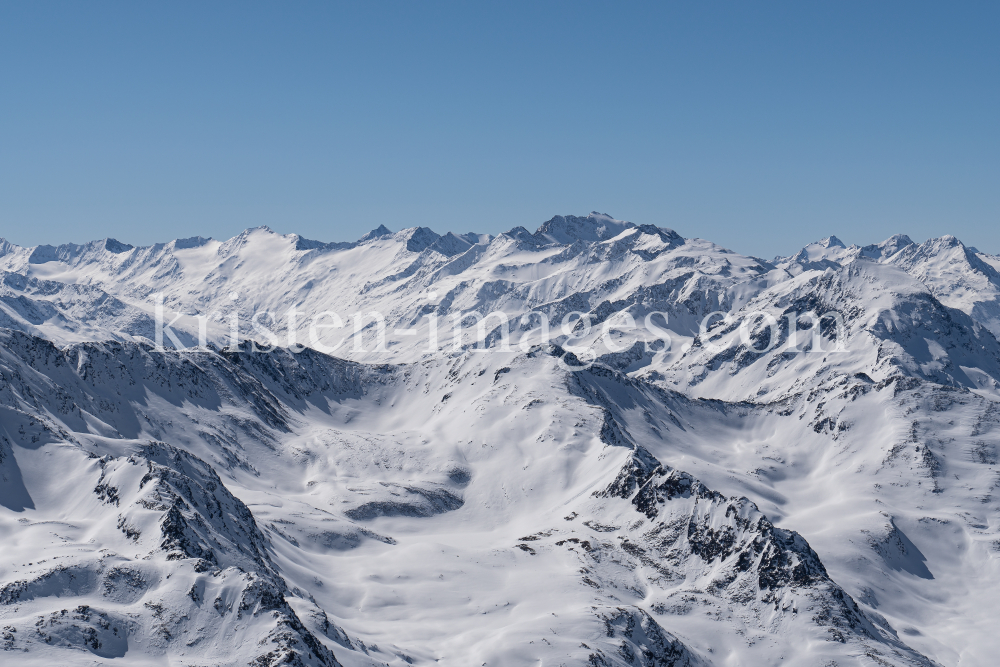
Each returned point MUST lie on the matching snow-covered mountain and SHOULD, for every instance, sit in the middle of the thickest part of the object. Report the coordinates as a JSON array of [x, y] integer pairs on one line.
[[677, 483], [570, 264]]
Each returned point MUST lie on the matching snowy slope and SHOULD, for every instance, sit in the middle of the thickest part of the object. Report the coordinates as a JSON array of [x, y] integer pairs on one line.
[[367, 498], [70, 312], [732, 499]]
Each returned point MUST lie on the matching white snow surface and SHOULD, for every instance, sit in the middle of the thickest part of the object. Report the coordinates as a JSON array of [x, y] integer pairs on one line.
[[733, 499]]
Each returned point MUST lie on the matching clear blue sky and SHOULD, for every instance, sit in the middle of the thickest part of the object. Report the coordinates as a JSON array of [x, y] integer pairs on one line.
[[758, 125]]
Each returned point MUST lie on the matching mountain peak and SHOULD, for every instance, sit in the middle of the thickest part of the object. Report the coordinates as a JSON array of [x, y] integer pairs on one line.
[[419, 238], [820, 255], [566, 229], [897, 239], [941, 244], [117, 247], [887, 248], [379, 232], [190, 242]]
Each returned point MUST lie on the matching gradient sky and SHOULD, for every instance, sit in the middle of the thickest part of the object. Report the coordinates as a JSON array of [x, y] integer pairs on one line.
[[761, 126]]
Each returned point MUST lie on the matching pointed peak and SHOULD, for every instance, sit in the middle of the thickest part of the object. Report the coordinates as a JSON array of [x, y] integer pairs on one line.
[[667, 235], [829, 252], [6, 247], [941, 243], [521, 235], [379, 232], [419, 238], [115, 246], [897, 240], [894, 244], [887, 248], [947, 248]]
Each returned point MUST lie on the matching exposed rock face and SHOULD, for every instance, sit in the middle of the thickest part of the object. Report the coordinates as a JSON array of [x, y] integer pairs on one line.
[[735, 554], [206, 578]]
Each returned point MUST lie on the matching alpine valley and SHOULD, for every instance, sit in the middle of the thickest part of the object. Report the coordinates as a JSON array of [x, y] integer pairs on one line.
[[598, 443]]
